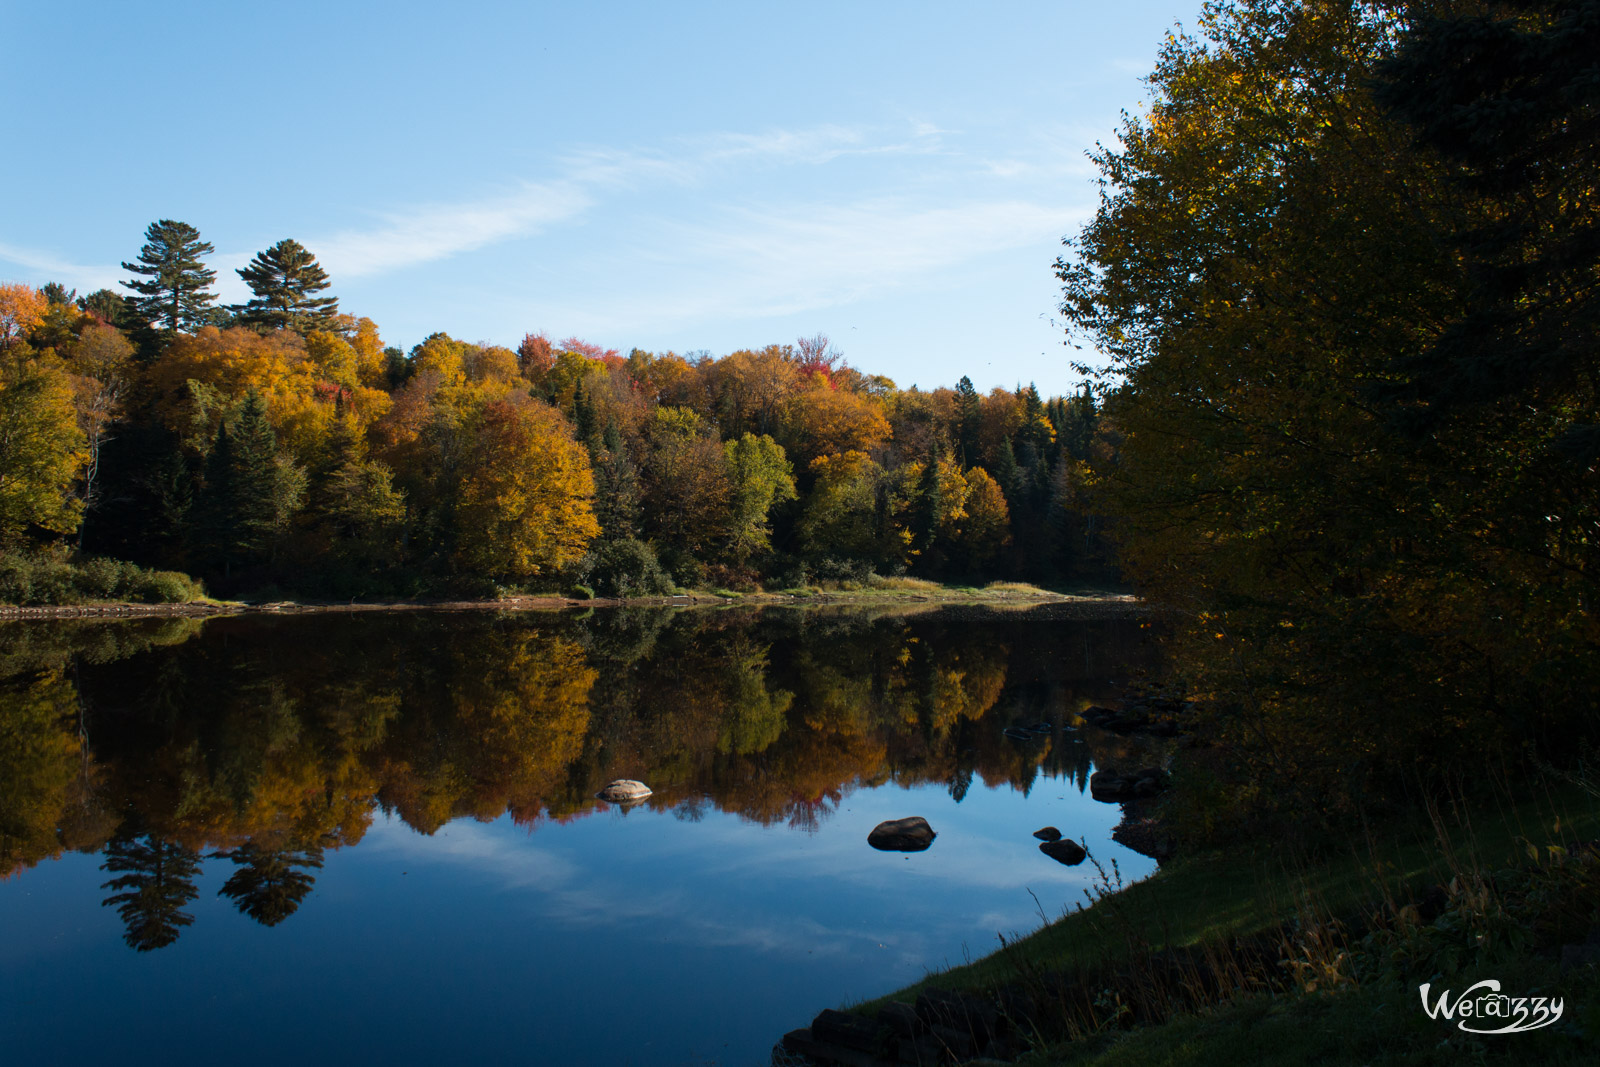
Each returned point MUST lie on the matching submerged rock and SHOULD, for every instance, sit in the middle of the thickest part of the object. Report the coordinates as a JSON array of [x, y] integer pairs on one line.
[[1016, 733], [1065, 851], [902, 835], [1047, 833], [624, 790], [1110, 787]]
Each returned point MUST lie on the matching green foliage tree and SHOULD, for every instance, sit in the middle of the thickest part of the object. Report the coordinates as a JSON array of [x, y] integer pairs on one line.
[[759, 476], [109, 307], [286, 279], [173, 284]]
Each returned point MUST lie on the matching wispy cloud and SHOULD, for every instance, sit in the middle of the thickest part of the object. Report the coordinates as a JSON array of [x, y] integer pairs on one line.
[[752, 262], [748, 261], [72, 275], [432, 232]]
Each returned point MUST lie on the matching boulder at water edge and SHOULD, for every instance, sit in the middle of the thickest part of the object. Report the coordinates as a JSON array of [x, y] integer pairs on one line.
[[1065, 851], [902, 835], [1047, 833], [624, 790]]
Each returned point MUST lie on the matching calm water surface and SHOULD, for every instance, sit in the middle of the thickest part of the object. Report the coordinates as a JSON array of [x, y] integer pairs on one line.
[[373, 839]]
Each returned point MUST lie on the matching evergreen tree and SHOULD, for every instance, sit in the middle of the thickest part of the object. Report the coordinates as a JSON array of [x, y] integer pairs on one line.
[[111, 308], [174, 284], [616, 487], [56, 293], [968, 407], [156, 879], [925, 513], [285, 280], [249, 494], [1007, 472], [584, 418], [269, 884]]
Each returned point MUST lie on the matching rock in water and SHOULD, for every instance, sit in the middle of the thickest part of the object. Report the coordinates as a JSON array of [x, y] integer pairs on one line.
[[1048, 833], [624, 790], [902, 835], [1065, 851]]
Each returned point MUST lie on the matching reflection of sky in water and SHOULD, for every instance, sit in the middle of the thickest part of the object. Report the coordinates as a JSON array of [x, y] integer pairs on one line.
[[635, 938]]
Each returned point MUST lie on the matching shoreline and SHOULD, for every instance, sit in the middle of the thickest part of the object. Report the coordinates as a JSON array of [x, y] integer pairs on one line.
[[702, 599]]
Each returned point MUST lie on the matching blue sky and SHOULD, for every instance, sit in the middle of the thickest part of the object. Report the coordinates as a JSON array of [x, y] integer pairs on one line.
[[668, 176]]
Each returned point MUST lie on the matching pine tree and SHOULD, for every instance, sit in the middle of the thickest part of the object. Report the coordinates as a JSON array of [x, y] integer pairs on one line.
[[968, 407], [616, 485], [174, 287], [109, 307], [258, 509], [285, 280], [156, 879], [269, 885], [1006, 471], [925, 513], [249, 493]]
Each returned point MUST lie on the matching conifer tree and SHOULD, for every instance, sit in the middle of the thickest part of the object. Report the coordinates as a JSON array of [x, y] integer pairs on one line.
[[155, 880], [285, 280], [968, 407], [174, 284], [616, 481], [925, 515], [269, 884], [249, 493], [1006, 471]]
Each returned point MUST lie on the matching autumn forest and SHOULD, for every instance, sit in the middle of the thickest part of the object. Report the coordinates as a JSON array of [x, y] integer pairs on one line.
[[280, 444]]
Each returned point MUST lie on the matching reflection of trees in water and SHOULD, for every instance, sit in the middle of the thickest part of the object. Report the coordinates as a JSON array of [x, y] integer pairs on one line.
[[264, 732], [155, 880], [270, 882]]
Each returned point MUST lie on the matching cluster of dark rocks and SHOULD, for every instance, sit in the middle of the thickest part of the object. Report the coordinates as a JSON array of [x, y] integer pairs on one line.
[[1158, 717], [1111, 787], [941, 1028], [1061, 849]]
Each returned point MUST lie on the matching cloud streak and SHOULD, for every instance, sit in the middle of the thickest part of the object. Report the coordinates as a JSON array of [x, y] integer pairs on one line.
[[74, 275], [433, 232]]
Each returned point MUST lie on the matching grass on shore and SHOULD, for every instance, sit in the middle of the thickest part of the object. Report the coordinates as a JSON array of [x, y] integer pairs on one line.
[[1205, 903]]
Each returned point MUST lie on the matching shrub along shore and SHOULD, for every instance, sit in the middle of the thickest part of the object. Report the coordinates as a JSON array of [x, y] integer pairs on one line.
[[902, 591]]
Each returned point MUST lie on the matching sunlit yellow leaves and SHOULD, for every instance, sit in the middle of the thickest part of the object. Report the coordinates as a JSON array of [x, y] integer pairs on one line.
[[526, 496]]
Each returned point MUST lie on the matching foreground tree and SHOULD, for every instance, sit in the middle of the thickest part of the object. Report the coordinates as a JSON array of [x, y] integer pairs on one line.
[[1273, 251]]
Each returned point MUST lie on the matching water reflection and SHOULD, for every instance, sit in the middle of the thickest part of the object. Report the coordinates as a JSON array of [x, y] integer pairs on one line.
[[259, 744]]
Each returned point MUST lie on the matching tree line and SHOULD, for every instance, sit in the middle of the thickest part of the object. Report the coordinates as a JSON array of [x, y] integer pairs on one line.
[[280, 443]]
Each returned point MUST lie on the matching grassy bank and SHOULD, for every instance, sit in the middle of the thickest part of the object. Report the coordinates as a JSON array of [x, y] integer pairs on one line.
[[1258, 954]]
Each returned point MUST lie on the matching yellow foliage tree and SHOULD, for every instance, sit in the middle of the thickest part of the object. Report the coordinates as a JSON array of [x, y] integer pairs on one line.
[[526, 493], [41, 450], [22, 307]]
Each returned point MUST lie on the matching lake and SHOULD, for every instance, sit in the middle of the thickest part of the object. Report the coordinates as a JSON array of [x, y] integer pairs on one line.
[[375, 839]]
